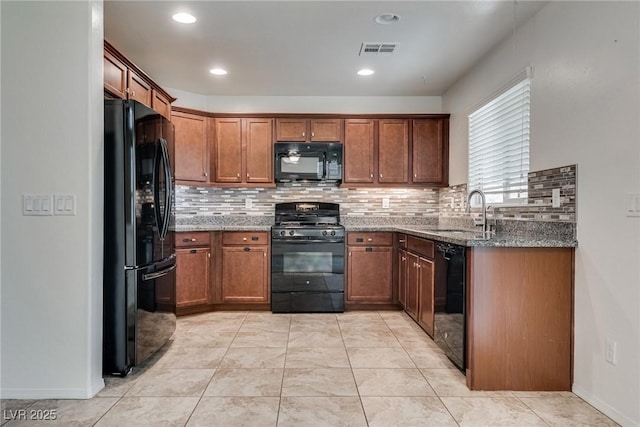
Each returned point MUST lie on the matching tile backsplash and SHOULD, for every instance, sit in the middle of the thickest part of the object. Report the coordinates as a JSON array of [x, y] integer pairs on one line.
[[444, 206], [453, 200], [210, 201]]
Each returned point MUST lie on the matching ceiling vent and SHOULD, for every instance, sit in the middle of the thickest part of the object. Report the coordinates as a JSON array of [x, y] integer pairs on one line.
[[377, 48]]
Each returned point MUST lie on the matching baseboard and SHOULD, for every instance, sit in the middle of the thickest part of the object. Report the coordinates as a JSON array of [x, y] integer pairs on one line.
[[605, 408], [48, 393]]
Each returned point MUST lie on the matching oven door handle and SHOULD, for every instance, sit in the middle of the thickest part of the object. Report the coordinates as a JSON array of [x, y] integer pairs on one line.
[[307, 241]]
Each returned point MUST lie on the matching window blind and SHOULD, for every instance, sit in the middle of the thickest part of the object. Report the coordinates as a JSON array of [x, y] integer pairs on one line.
[[499, 146]]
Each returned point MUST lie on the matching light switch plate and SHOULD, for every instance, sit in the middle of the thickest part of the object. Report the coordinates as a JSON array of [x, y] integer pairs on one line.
[[37, 205], [64, 204]]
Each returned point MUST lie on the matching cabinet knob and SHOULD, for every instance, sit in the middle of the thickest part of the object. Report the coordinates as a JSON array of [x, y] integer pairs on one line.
[[313, 134], [193, 239], [403, 259], [380, 175], [247, 175], [247, 249], [133, 93], [303, 133], [244, 239], [238, 175], [205, 174], [371, 176], [369, 240], [415, 175], [401, 241]]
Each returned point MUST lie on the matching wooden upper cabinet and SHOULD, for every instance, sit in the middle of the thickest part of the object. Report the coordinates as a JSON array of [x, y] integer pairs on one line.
[[115, 76], [139, 89], [328, 130], [430, 151], [228, 149], [291, 129], [393, 151], [161, 103], [258, 137], [191, 147], [359, 156], [313, 130]]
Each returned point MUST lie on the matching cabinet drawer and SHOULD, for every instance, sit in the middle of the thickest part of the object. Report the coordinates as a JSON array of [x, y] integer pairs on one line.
[[420, 246], [370, 239], [245, 238], [199, 238]]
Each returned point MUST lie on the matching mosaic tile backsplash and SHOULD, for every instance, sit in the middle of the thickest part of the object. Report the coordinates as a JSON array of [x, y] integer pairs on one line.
[[211, 201], [363, 206]]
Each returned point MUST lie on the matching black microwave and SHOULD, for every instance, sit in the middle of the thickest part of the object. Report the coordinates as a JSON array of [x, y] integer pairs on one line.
[[315, 161]]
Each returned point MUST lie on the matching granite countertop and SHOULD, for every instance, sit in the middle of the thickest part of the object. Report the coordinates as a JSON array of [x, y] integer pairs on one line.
[[467, 238]]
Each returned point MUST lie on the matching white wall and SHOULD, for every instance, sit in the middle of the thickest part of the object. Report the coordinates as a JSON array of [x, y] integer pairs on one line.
[[585, 109], [308, 104], [51, 295]]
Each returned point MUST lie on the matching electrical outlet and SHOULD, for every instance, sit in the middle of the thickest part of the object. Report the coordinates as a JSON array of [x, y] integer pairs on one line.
[[385, 203], [555, 197], [248, 203], [611, 351]]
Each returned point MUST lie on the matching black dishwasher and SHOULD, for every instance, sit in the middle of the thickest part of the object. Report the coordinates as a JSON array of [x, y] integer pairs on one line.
[[450, 302]]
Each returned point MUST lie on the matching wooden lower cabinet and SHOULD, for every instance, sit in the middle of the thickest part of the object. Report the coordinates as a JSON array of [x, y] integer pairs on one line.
[[245, 268], [370, 274], [402, 278], [412, 279], [520, 318], [370, 268], [192, 276], [426, 276]]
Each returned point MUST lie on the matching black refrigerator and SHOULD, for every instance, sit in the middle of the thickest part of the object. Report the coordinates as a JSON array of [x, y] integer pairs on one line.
[[139, 249]]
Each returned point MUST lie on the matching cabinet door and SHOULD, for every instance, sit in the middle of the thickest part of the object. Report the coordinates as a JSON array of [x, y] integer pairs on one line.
[[359, 141], [191, 147], [245, 272], [402, 277], [411, 298], [369, 275], [192, 276], [161, 104], [291, 129], [115, 76], [259, 150], [326, 129], [139, 90], [228, 150], [425, 295], [430, 152], [393, 151]]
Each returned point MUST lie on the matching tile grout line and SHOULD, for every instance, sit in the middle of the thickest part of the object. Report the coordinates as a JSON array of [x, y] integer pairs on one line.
[[284, 366]]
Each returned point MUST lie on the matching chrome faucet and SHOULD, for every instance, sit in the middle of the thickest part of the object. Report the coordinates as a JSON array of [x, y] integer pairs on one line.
[[484, 209]]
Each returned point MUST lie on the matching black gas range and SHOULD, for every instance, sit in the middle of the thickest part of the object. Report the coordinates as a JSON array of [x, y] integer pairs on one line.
[[307, 258]]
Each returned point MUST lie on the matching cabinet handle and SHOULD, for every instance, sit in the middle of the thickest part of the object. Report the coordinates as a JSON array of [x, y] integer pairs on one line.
[[205, 174], [193, 251], [371, 176], [133, 93], [209, 255], [238, 175], [313, 134], [415, 175], [369, 240], [247, 249], [403, 259], [401, 240], [247, 175], [380, 175], [244, 239], [303, 133]]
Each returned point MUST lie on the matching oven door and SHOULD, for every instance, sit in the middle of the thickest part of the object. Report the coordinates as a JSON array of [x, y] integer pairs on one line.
[[306, 266]]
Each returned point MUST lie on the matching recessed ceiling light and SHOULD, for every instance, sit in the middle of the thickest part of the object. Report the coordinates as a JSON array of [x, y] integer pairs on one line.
[[365, 72], [184, 18], [387, 18], [218, 71]]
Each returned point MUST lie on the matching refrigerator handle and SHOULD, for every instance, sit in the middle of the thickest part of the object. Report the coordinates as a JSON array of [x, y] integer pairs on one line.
[[156, 187], [160, 273], [168, 187]]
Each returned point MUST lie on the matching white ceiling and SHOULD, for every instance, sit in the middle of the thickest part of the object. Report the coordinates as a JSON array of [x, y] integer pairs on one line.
[[295, 48]]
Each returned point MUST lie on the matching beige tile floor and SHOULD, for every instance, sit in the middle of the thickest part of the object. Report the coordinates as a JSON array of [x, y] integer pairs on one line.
[[260, 369]]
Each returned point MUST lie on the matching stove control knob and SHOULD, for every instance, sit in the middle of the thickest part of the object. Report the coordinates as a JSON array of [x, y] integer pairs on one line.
[[324, 233], [291, 233], [282, 233], [333, 232]]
